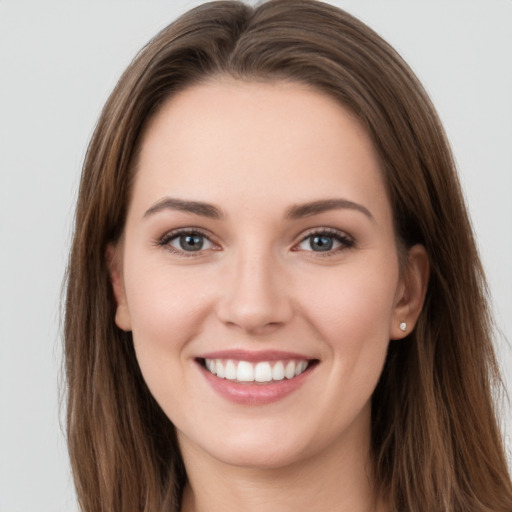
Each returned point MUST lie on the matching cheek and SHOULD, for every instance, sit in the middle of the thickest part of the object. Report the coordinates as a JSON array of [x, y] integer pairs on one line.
[[352, 312], [165, 310], [162, 300], [352, 298]]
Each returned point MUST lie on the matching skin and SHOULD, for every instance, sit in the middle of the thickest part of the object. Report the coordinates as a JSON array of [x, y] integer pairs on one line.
[[255, 150]]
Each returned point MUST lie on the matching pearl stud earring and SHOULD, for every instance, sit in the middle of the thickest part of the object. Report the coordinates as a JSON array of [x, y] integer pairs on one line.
[[403, 326]]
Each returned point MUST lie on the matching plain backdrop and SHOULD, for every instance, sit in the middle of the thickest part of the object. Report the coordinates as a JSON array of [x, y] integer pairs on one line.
[[58, 62]]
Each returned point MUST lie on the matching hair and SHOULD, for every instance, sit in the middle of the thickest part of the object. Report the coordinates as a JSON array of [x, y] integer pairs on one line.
[[435, 444]]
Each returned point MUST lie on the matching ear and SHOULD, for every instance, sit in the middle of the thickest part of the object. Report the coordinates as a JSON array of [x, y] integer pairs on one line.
[[114, 262], [411, 292]]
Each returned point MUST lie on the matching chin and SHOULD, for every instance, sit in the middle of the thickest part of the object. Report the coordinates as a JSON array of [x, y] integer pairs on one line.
[[257, 458], [250, 449]]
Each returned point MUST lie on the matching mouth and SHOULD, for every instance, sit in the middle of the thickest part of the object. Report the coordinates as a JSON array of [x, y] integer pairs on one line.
[[252, 378], [260, 372]]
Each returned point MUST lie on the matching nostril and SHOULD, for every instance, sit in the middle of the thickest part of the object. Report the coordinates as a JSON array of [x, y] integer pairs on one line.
[[255, 298], [255, 316]]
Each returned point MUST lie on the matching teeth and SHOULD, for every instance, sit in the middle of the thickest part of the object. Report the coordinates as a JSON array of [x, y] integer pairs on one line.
[[212, 367], [244, 372], [289, 371], [221, 371], [263, 371], [301, 367], [278, 371], [230, 370]]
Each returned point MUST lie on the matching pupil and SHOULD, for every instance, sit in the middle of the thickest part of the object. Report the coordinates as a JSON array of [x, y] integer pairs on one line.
[[321, 243], [191, 242]]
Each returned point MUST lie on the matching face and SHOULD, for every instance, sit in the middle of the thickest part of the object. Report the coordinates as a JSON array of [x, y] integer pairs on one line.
[[258, 272]]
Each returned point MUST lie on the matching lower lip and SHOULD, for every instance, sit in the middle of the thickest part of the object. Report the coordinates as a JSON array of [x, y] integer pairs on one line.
[[253, 393]]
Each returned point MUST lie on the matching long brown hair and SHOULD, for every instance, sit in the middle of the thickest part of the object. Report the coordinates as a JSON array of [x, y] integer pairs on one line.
[[436, 445]]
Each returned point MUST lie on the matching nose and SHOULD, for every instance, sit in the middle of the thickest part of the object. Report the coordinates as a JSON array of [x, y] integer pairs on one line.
[[255, 297]]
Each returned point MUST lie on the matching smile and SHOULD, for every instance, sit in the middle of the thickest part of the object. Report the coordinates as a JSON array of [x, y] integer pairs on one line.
[[262, 371], [253, 378]]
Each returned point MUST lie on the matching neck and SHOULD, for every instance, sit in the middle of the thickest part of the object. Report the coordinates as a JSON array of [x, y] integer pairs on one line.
[[338, 479]]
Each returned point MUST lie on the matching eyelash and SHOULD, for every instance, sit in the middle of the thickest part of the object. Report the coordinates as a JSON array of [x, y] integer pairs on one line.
[[165, 241], [343, 239]]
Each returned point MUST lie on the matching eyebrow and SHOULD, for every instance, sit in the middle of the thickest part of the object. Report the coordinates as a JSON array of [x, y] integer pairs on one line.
[[324, 205], [195, 207], [294, 212]]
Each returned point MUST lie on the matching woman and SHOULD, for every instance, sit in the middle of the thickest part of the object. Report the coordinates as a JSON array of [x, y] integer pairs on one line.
[[285, 306]]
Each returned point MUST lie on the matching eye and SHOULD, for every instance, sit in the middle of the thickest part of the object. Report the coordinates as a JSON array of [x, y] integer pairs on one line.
[[325, 241], [186, 241]]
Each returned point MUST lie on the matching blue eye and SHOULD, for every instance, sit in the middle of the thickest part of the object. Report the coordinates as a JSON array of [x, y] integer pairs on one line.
[[321, 243], [192, 242], [325, 242], [186, 241]]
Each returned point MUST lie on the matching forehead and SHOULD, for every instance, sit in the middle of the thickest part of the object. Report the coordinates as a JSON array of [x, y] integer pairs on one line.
[[260, 140]]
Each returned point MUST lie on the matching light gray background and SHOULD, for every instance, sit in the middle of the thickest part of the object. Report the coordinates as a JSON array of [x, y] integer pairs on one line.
[[58, 62]]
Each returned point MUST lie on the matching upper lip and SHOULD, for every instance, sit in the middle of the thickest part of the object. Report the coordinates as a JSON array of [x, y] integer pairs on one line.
[[254, 356]]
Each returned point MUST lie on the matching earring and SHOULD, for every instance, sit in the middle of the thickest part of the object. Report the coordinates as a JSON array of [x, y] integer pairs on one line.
[[403, 326]]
